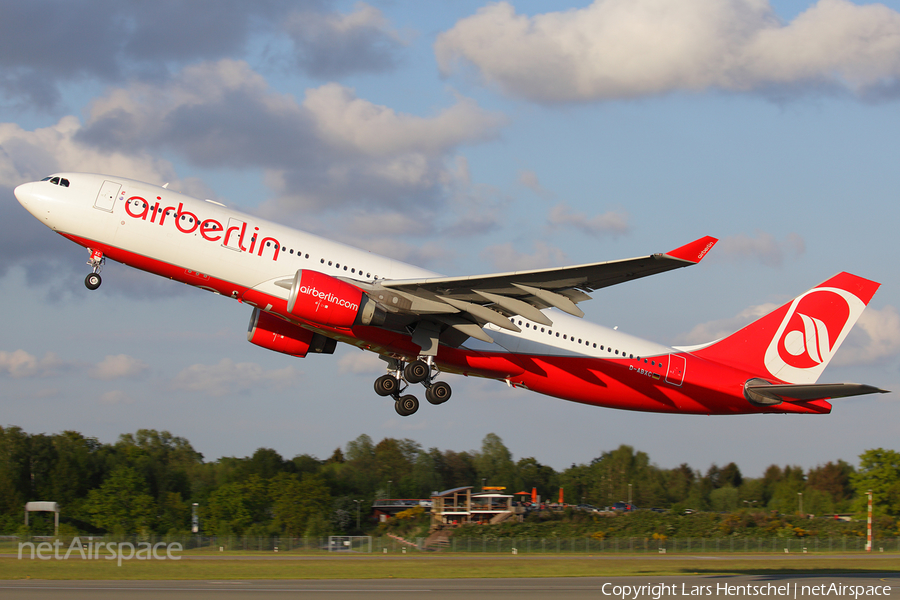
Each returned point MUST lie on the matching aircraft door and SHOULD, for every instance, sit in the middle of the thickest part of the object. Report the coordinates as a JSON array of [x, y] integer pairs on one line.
[[675, 374], [233, 233], [106, 199]]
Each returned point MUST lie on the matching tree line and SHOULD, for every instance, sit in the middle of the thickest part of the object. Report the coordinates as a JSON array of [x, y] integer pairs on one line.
[[147, 482]]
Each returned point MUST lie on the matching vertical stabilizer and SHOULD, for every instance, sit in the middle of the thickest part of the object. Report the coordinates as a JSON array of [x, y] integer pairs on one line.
[[797, 341]]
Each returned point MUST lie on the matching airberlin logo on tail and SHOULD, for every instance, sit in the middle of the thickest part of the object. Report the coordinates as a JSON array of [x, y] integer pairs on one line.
[[812, 329], [811, 343]]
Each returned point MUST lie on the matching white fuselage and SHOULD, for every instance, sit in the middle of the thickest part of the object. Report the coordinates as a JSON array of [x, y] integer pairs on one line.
[[209, 239]]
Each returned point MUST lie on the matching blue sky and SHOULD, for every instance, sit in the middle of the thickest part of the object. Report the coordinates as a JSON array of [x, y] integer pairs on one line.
[[468, 138]]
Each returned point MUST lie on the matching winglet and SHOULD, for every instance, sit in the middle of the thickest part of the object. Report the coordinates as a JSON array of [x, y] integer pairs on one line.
[[694, 251]]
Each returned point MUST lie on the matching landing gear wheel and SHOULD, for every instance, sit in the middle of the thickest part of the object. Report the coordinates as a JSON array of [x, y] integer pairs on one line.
[[92, 281], [386, 385], [406, 405], [417, 371], [438, 393]]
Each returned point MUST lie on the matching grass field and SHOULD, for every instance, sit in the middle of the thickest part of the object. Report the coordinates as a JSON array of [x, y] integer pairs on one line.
[[198, 567]]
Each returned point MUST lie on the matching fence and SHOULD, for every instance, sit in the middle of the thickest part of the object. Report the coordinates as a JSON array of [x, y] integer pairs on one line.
[[489, 545]]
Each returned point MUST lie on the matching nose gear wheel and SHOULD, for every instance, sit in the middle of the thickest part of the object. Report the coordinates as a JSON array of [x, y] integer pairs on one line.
[[96, 262]]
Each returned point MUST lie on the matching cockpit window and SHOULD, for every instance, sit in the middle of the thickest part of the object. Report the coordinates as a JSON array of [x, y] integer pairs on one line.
[[57, 181]]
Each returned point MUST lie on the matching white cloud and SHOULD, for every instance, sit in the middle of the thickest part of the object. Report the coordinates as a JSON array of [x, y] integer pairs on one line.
[[530, 180], [615, 49], [116, 397], [714, 330], [30, 155], [875, 337], [614, 223], [505, 257], [332, 150], [361, 363], [120, 366], [337, 44], [227, 378], [21, 364], [762, 248]]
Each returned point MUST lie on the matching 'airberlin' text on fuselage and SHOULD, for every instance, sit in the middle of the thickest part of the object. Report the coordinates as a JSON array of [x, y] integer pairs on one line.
[[210, 229]]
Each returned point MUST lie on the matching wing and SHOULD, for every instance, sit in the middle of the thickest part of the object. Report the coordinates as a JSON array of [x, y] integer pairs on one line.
[[467, 303]]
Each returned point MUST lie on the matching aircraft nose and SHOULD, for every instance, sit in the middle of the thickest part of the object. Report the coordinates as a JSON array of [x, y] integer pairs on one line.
[[23, 193]]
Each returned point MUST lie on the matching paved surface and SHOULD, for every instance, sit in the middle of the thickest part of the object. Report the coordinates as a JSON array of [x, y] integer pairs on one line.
[[772, 587]]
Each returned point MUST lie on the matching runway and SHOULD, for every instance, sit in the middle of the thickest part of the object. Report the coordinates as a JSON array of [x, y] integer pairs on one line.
[[615, 588]]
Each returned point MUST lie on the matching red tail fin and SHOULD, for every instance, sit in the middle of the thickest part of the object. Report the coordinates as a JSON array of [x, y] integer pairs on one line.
[[795, 342]]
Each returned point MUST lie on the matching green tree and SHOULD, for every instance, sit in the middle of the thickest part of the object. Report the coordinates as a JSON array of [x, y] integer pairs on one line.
[[879, 471], [832, 479], [786, 492], [458, 469], [121, 503], [533, 474], [494, 463], [724, 499], [235, 507], [298, 505]]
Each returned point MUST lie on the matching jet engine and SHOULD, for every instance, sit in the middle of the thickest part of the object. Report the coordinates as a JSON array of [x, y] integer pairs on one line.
[[323, 299], [273, 333]]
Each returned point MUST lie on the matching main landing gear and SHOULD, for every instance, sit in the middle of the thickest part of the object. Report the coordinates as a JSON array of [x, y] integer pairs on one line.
[[401, 375], [96, 262]]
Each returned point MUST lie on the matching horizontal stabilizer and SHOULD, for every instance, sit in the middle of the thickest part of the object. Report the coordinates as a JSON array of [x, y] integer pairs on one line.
[[772, 393]]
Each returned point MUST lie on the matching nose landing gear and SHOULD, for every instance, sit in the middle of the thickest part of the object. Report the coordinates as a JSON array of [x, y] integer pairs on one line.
[[96, 262], [401, 375]]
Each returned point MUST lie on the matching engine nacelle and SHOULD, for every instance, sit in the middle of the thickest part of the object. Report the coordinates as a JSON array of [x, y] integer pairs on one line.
[[273, 333], [322, 299]]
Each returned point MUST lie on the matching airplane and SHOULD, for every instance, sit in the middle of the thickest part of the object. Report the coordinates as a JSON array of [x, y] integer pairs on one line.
[[524, 328]]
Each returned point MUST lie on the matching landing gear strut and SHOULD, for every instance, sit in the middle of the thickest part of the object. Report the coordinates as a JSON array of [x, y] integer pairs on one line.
[[401, 376], [96, 262]]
